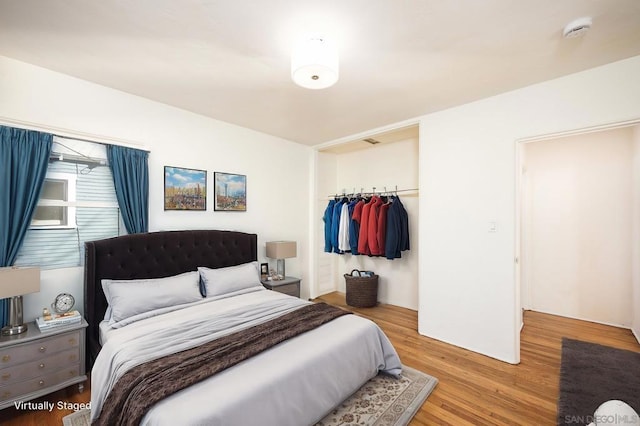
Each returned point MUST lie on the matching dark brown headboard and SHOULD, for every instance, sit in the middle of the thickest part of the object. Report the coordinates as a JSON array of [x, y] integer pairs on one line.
[[155, 255]]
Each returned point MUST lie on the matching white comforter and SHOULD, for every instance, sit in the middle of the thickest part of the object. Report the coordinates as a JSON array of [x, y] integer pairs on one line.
[[294, 383]]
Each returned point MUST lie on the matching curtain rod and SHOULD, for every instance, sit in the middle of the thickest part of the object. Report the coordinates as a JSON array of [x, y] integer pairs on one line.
[[71, 134]]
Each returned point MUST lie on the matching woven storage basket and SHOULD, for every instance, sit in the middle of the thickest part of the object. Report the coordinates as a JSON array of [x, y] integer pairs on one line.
[[362, 292]]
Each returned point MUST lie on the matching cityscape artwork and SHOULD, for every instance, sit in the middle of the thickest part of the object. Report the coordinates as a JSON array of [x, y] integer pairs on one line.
[[230, 192], [185, 189]]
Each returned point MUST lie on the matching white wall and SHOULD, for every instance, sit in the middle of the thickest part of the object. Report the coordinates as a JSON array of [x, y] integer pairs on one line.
[[326, 183], [635, 234], [467, 154], [380, 166], [578, 226], [277, 170]]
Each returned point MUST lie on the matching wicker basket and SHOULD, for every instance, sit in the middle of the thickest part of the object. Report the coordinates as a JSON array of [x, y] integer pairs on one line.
[[362, 292]]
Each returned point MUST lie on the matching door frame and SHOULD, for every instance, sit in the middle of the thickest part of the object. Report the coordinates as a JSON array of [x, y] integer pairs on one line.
[[520, 257]]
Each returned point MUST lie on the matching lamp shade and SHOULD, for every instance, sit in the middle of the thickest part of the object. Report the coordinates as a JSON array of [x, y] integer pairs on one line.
[[281, 249], [19, 281], [314, 64]]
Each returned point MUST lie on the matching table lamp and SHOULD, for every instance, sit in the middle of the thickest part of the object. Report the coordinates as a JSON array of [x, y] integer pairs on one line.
[[281, 250], [14, 282]]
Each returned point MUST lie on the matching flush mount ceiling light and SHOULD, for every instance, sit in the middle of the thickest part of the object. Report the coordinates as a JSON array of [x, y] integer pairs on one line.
[[314, 63], [577, 27]]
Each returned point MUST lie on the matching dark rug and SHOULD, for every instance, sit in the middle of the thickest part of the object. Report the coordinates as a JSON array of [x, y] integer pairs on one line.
[[592, 374]]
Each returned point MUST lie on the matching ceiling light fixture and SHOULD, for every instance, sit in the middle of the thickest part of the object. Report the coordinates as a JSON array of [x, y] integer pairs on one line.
[[314, 63], [577, 27]]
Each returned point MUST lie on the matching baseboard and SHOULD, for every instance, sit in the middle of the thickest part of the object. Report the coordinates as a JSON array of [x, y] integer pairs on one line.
[[583, 319]]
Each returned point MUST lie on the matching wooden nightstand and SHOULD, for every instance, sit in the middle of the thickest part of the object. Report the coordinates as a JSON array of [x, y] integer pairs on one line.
[[36, 363], [289, 285]]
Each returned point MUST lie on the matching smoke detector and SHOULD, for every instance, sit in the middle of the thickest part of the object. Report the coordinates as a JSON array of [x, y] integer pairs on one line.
[[577, 27]]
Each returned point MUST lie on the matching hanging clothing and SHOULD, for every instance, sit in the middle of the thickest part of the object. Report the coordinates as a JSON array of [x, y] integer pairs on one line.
[[328, 220], [363, 245], [382, 227], [355, 213], [397, 235], [404, 227], [335, 225], [343, 231], [372, 227]]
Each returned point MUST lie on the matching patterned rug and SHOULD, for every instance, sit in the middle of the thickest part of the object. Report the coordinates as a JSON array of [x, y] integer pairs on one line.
[[382, 401]]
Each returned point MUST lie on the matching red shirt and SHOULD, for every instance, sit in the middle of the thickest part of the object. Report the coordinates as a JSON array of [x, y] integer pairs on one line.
[[382, 227], [357, 211], [372, 227], [363, 239]]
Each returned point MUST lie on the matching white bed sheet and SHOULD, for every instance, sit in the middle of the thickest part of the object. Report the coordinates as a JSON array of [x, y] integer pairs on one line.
[[294, 383]]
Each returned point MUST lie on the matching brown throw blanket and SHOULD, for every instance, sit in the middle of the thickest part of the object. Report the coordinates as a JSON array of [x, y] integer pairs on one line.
[[144, 385]]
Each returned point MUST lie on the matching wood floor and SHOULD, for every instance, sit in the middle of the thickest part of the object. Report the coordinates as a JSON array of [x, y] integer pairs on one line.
[[477, 390], [473, 389]]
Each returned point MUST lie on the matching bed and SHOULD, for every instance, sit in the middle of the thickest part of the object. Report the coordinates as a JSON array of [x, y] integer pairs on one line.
[[292, 382]]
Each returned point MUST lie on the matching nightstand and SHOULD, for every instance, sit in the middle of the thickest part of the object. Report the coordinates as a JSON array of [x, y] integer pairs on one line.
[[289, 285], [35, 363]]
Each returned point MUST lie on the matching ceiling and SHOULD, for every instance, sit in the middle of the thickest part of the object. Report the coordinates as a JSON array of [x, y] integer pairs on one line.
[[411, 132], [399, 59]]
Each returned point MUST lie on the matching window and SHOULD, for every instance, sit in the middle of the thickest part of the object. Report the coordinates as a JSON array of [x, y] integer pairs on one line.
[[56, 200], [77, 204]]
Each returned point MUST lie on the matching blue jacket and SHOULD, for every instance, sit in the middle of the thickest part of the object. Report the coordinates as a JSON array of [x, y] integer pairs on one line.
[[354, 229], [328, 221], [397, 230], [335, 226]]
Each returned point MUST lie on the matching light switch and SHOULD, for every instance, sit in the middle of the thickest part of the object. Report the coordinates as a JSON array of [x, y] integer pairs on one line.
[[493, 227]]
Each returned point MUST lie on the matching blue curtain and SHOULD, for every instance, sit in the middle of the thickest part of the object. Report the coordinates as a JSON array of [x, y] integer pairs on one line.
[[24, 157], [130, 171]]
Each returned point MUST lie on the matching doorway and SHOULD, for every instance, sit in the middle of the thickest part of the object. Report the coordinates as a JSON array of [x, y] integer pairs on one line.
[[578, 222], [578, 217]]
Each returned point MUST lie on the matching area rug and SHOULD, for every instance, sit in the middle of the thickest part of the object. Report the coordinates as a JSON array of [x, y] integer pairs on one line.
[[592, 374], [382, 401]]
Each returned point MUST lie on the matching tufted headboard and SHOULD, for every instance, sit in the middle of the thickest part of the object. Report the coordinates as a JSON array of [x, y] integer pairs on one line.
[[154, 255]]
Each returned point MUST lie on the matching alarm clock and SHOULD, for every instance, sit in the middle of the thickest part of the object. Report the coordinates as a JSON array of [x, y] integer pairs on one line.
[[63, 303]]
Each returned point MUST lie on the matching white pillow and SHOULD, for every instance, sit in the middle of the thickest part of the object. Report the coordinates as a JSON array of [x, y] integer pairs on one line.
[[233, 278], [127, 298]]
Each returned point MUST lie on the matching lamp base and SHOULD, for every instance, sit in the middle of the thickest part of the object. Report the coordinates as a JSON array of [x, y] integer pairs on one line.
[[15, 325], [11, 330], [280, 269]]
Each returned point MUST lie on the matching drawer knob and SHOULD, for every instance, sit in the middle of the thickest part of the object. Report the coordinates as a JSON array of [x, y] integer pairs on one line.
[[6, 394], [6, 358], [41, 365], [42, 349], [72, 357], [6, 376], [41, 382], [72, 373], [72, 341]]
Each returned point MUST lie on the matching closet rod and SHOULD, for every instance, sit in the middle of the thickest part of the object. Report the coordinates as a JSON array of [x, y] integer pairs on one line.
[[385, 191]]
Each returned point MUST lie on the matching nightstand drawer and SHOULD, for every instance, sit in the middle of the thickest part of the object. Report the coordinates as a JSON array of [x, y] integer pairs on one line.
[[39, 367], [290, 289], [37, 350], [42, 382]]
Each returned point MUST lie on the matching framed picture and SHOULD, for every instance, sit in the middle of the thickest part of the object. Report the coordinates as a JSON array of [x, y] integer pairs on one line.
[[185, 189], [230, 192], [264, 271]]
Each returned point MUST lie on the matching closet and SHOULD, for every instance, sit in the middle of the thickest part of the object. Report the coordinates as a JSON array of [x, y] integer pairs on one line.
[[375, 164]]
